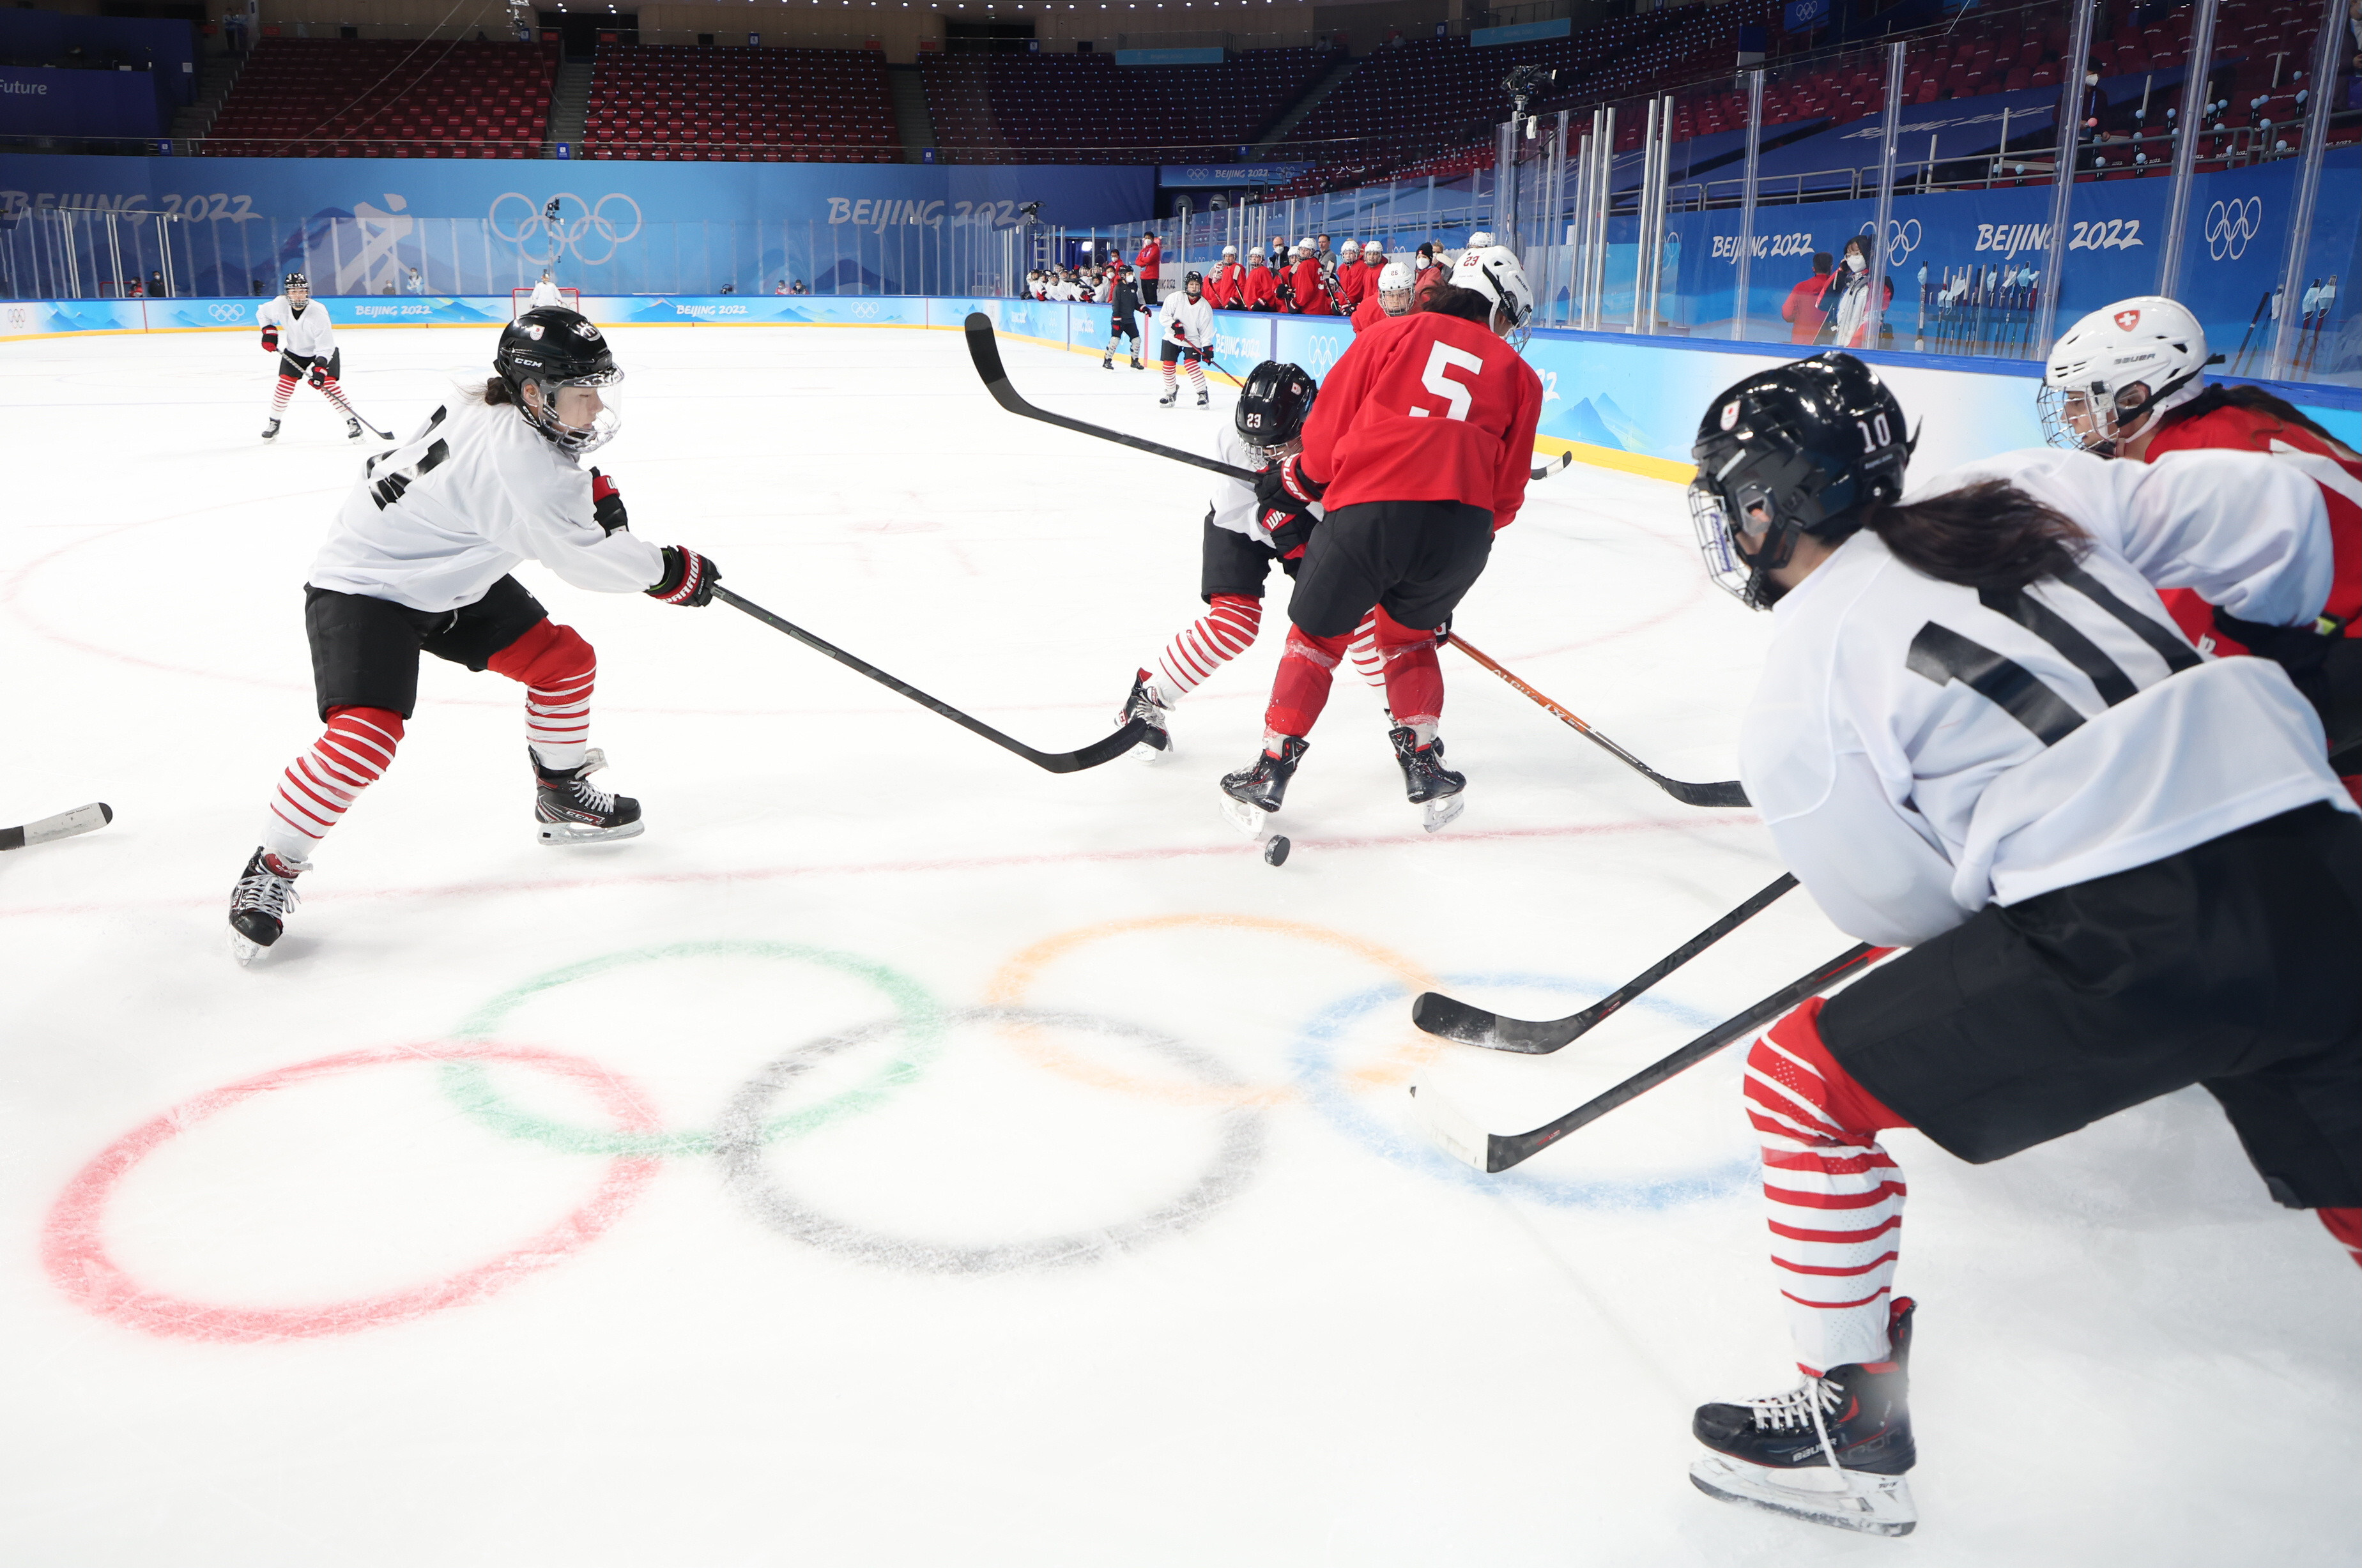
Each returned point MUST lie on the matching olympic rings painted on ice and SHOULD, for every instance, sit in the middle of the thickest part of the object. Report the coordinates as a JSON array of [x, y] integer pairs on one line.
[[74, 1242], [1010, 985], [471, 1089], [1316, 1067], [742, 1136]]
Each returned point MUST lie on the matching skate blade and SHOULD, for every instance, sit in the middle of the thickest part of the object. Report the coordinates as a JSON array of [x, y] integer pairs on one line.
[[1252, 820], [1874, 1505], [560, 835], [1149, 754], [1442, 814], [245, 949]]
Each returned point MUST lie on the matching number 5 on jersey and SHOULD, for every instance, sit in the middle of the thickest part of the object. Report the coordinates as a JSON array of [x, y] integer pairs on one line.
[[1441, 360]]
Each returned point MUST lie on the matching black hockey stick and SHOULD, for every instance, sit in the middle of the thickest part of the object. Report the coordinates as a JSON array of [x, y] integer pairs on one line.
[[985, 349], [1091, 756], [1728, 792], [64, 825], [1492, 1152], [1439, 1014], [1555, 465]]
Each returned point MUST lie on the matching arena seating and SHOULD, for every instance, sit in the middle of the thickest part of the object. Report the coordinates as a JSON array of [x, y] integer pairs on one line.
[[660, 102], [1086, 108], [388, 98]]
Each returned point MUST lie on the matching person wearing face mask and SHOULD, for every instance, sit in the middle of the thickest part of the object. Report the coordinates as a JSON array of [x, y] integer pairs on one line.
[[1846, 300]]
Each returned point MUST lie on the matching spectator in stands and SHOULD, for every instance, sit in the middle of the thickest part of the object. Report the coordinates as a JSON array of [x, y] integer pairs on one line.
[[415, 281], [1848, 296], [780, 287], [131, 288], [156, 290], [1261, 291], [798, 288], [1145, 266], [1225, 289], [1803, 310], [729, 286]]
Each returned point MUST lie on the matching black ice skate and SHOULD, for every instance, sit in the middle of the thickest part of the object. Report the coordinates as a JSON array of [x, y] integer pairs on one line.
[[1201, 401], [1156, 745], [570, 810], [1254, 794], [260, 903], [1107, 360], [1426, 780], [270, 431], [1171, 395], [1136, 364], [352, 429], [1833, 1451]]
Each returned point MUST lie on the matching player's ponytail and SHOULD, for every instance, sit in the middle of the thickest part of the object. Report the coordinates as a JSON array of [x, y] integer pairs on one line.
[[497, 392], [1990, 535]]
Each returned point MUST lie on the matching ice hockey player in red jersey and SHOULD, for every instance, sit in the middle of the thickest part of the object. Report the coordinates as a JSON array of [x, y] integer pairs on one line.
[[418, 561], [1419, 448], [1308, 290], [296, 328], [2129, 381], [1260, 291], [1225, 288], [2121, 868], [1391, 297], [1346, 283]]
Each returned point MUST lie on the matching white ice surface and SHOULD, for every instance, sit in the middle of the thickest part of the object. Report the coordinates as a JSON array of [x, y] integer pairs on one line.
[[1326, 1346]]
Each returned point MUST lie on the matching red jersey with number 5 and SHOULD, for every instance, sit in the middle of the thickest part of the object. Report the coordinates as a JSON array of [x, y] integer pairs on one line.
[[1425, 407]]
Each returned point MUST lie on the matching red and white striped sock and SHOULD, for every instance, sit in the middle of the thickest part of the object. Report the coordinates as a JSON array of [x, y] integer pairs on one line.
[[1172, 383], [335, 394], [1226, 630], [1197, 376], [558, 670], [285, 389], [1834, 1195], [318, 787]]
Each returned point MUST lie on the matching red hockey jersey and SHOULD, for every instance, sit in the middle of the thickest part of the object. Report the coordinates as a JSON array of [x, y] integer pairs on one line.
[[1350, 286], [1425, 407], [1261, 291], [1225, 286], [1311, 297], [1370, 313], [2250, 429]]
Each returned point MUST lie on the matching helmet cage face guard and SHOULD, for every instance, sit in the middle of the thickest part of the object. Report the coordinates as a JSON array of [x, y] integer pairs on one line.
[[542, 413], [2087, 419]]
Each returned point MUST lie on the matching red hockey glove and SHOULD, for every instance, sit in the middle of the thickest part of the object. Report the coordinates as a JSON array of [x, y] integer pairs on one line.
[[607, 503], [688, 579], [319, 378], [271, 340]]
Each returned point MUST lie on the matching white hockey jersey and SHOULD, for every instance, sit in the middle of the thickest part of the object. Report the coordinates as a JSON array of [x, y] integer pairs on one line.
[[1234, 503], [1920, 750], [545, 293], [433, 523], [1180, 319], [309, 335]]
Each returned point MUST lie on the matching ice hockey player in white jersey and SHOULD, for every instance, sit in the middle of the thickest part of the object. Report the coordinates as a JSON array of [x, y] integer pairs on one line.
[[296, 328], [2122, 869], [546, 292], [1237, 556], [1185, 328], [419, 560]]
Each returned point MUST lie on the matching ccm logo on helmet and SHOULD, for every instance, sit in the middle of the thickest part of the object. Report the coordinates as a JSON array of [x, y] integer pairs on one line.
[[2127, 320]]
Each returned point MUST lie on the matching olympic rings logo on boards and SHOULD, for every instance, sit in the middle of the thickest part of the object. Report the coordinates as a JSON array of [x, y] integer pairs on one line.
[[1902, 238], [2231, 225], [845, 1076], [227, 313], [565, 235]]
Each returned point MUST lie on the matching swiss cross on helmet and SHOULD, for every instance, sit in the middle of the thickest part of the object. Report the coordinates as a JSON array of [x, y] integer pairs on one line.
[[551, 347], [1273, 403], [1803, 448]]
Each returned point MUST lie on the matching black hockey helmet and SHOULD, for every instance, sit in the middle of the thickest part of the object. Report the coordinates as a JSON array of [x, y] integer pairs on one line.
[[294, 280], [1194, 280], [1803, 448], [550, 346], [1272, 403]]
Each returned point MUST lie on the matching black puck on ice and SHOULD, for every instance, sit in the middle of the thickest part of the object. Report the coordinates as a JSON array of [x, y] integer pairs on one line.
[[1275, 853]]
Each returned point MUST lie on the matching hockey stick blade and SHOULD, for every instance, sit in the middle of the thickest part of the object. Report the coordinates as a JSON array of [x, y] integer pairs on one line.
[[1555, 466], [985, 349], [1091, 756], [1496, 1152], [1729, 793], [64, 825], [1439, 1014]]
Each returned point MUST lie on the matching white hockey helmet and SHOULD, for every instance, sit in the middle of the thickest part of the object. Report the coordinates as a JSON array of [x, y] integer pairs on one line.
[[1495, 273], [1350, 247], [1481, 240], [1255, 254], [1230, 250], [1395, 282], [2111, 374]]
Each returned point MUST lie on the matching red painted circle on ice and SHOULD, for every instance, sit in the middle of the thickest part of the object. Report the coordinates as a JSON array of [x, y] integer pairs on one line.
[[74, 1247]]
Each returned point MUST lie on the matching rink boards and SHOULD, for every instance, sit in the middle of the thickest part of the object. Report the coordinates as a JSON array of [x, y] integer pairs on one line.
[[1610, 399]]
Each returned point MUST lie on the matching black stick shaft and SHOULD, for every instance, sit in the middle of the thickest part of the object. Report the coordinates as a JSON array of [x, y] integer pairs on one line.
[[1506, 1151], [984, 350], [1091, 756]]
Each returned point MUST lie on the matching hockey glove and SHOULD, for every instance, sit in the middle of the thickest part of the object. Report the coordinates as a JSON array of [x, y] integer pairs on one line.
[[688, 579], [319, 378], [271, 340], [1285, 483], [607, 503]]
